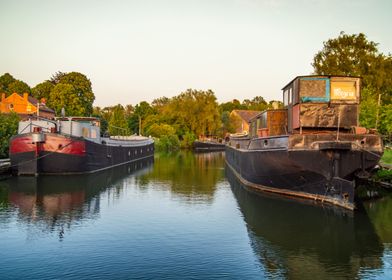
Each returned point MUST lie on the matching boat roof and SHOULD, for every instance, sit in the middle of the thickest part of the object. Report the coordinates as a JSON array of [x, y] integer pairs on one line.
[[320, 76], [77, 119]]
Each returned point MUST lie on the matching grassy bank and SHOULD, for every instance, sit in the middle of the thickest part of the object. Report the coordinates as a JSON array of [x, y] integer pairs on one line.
[[387, 157]]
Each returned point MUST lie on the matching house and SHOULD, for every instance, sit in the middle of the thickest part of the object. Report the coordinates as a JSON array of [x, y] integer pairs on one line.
[[25, 106], [240, 119]]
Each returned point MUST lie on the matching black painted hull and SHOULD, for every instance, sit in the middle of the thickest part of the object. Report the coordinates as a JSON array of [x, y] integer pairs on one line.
[[206, 146], [92, 157], [325, 175]]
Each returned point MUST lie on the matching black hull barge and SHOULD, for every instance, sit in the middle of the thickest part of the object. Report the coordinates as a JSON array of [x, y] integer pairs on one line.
[[318, 161], [72, 146], [208, 146]]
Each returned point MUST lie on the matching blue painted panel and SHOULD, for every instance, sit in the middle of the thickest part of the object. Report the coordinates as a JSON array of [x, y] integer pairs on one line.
[[327, 97]]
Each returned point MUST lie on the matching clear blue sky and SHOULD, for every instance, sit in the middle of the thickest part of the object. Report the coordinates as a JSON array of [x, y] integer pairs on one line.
[[141, 50]]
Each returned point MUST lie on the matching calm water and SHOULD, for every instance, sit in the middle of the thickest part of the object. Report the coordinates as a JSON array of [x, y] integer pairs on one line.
[[182, 216]]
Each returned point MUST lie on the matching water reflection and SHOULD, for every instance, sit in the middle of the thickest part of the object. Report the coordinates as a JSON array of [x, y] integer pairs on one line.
[[302, 241], [56, 203], [191, 177]]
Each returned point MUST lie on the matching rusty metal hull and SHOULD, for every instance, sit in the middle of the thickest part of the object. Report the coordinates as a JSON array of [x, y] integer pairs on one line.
[[319, 168]]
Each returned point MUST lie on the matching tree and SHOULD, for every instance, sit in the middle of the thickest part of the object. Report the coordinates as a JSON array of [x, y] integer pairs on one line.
[[8, 128], [73, 91], [354, 55], [141, 112], [18, 87], [231, 105], [56, 77], [195, 111], [66, 96], [350, 55], [118, 123], [42, 90], [5, 80]]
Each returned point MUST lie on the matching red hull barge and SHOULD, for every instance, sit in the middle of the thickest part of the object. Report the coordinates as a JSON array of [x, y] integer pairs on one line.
[[72, 146]]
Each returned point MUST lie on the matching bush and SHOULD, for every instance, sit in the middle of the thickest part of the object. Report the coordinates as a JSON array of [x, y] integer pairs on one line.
[[383, 175], [188, 140], [8, 128], [167, 143]]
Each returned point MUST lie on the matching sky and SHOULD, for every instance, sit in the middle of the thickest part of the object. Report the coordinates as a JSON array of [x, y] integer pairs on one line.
[[135, 51]]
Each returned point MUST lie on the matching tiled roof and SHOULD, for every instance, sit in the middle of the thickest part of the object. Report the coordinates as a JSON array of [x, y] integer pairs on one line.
[[34, 101], [246, 115]]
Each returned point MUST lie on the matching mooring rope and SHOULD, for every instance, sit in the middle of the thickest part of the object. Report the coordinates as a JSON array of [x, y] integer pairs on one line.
[[43, 156]]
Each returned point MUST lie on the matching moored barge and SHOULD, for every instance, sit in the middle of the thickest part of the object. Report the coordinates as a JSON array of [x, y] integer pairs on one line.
[[72, 145], [313, 148]]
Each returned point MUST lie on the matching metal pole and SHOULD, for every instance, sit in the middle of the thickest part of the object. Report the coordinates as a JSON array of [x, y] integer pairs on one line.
[[378, 108]]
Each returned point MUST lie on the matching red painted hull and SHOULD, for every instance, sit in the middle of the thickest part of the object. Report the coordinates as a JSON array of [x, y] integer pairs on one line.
[[60, 154]]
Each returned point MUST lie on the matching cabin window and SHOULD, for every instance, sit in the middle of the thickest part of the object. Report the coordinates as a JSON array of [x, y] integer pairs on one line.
[[129, 153], [286, 97], [93, 133], [85, 132], [141, 151], [290, 97], [135, 152]]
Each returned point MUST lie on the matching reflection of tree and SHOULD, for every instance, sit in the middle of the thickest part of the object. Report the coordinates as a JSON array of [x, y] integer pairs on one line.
[[57, 203], [380, 211], [299, 240], [193, 176]]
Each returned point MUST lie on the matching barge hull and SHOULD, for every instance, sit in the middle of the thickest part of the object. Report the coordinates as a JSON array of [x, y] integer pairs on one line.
[[62, 155], [325, 174]]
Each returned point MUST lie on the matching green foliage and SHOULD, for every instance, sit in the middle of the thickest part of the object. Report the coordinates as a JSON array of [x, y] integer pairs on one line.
[[257, 104], [158, 130], [195, 111], [42, 90], [167, 143], [368, 109], [72, 91], [351, 55], [66, 96], [8, 128], [56, 77], [141, 112], [82, 86], [5, 80], [354, 55], [188, 139], [385, 126], [18, 87], [231, 105], [387, 157], [383, 175], [118, 124]]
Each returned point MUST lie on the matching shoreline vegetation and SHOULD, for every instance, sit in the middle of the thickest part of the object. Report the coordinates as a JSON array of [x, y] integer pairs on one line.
[[178, 121]]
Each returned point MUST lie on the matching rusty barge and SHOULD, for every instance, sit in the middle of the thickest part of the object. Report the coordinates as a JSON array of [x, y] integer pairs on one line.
[[312, 148]]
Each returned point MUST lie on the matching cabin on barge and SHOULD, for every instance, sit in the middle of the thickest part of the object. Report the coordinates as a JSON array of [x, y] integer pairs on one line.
[[313, 147]]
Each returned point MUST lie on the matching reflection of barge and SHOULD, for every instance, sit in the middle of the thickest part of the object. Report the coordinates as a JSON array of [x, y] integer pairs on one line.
[[72, 145], [313, 148], [56, 204], [298, 240]]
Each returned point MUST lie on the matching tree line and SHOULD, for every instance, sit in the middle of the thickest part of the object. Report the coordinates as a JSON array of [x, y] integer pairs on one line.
[[181, 119], [176, 121]]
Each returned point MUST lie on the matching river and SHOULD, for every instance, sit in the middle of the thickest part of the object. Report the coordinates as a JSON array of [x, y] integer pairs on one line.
[[182, 216]]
